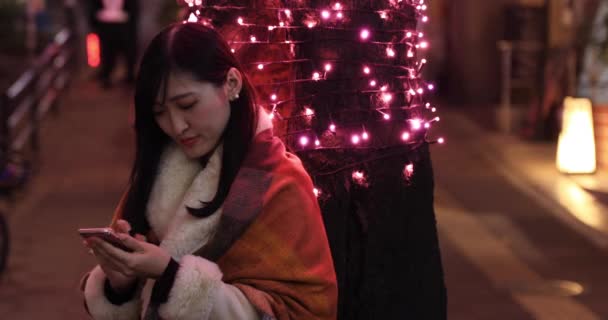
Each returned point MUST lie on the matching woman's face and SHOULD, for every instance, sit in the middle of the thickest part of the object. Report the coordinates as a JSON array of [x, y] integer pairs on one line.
[[193, 113]]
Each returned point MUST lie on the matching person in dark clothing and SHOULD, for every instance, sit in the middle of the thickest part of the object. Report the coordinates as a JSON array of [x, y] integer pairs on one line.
[[115, 22]]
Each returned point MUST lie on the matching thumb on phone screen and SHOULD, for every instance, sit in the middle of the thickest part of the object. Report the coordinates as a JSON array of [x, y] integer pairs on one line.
[[122, 226]]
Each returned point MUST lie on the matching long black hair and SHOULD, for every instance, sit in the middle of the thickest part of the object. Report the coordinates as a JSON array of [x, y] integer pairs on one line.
[[202, 52]]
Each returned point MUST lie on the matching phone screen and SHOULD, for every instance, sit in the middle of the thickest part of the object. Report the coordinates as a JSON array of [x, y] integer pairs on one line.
[[106, 234]]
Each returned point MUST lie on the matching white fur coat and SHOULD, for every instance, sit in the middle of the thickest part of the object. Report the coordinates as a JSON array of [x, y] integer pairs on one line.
[[198, 291]]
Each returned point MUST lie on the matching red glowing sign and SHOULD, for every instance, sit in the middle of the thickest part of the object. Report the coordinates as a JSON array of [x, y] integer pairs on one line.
[[93, 50]]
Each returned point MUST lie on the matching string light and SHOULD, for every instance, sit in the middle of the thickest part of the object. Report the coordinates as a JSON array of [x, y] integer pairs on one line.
[[395, 83], [364, 34]]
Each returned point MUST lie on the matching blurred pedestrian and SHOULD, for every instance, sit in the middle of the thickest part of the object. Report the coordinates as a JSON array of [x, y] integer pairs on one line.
[[115, 22]]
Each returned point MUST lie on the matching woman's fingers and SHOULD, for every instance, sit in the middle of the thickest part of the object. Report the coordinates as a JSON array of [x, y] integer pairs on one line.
[[110, 255], [134, 244], [122, 226]]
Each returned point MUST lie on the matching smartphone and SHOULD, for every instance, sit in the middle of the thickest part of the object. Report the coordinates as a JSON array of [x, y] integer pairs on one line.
[[106, 234]]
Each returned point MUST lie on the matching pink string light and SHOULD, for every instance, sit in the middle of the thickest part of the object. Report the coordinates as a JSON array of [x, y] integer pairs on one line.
[[407, 93]]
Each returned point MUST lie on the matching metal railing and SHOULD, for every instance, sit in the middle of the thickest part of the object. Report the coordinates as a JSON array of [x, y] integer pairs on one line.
[[33, 94], [22, 108]]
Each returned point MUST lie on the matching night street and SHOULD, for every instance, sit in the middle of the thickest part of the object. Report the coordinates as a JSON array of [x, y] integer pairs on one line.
[[523, 232], [505, 242]]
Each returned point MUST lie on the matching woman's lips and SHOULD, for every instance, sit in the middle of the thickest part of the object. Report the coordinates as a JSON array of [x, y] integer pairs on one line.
[[188, 142]]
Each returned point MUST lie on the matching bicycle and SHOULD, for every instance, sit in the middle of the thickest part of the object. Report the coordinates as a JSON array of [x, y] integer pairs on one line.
[[12, 177]]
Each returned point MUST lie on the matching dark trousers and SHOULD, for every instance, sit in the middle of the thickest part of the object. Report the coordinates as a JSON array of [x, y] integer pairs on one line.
[[117, 39]]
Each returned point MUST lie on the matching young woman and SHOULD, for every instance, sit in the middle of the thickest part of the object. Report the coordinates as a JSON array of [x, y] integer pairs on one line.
[[222, 221]]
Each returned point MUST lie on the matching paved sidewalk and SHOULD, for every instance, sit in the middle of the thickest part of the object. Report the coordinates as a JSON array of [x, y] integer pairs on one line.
[[85, 157], [579, 200], [519, 240]]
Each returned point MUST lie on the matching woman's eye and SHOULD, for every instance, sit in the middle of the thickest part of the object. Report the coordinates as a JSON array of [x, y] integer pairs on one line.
[[187, 106]]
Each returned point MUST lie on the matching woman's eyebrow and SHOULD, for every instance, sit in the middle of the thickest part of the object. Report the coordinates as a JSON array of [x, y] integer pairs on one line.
[[180, 96]]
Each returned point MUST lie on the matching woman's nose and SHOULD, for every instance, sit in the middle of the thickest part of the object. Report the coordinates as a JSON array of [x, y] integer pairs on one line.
[[178, 122]]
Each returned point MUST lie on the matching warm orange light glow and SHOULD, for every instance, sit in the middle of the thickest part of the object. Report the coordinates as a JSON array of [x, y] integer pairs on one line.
[[93, 50], [576, 147]]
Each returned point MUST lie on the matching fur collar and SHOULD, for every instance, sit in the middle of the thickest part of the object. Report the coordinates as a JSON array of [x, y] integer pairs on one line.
[[181, 182]]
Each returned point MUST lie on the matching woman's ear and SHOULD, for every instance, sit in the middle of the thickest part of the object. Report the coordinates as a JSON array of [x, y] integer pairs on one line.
[[234, 84]]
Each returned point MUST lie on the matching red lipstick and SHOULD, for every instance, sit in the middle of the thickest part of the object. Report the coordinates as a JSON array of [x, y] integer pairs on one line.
[[188, 142]]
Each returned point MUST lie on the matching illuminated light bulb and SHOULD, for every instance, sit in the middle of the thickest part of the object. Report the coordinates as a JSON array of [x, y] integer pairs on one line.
[[339, 15], [304, 141], [358, 175], [428, 104], [337, 6], [355, 139], [412, 92], [192, 17], [408, 171], [288, 12], [260, 66], [436, 118], [387, 97], [424, 7], [253, 39], [409, 34], [273, 97], [239, 21], [441, 140], [410, 54], [364, 34], [270, 28], [416, 124], [271, 116], [309, 112], [433, 109], [420, 35], [316, 192], [425, 19], [383, 15], [332, 127], [390, 52], [359, 178], [317, 142], [310, 24], [424, 45], [198, 12], [327, 67], [232, 50], [427, 125], [367, 70], [431, 87], [316, 76], [386, 116], [282, 24], [198, 2], [372, 83], [325, 14], [423, 61], [405, 136], [190, 3], [420, 91], [384, 88], [364, 135]]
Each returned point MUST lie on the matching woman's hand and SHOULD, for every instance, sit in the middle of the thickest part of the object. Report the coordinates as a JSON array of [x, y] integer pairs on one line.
[[121, 267]]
